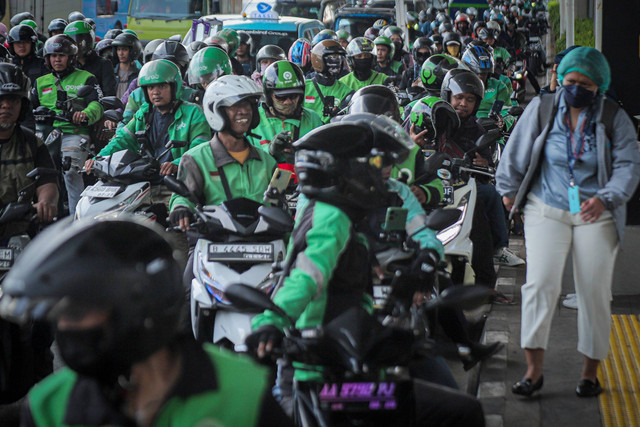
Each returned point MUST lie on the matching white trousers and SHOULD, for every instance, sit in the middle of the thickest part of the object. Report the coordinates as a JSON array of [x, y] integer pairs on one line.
[[551, 234]]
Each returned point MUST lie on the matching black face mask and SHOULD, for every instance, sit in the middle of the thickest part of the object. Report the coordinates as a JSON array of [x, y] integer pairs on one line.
[[89, 352], [332, 66], [577, 96], [398, 53], [420, 57], [362, 68]]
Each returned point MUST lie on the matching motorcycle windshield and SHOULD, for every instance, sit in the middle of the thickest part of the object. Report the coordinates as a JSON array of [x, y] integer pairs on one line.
[[120, 162]]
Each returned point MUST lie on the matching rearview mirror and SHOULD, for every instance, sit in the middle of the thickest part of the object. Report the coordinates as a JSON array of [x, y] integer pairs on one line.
[[84, 90], [112, 103], [113, 115]]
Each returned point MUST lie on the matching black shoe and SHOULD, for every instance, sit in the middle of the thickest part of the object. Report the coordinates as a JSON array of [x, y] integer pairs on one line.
[[587, 388], [480, 352], [525, 387]]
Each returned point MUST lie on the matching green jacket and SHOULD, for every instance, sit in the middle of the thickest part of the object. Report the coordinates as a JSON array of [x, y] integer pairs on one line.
[[494, 89], [270, 126], [326, 271], [200, 170], [313, 100], [376, 78], [216, 388], [189, 125], [136, 100], [45, 93]]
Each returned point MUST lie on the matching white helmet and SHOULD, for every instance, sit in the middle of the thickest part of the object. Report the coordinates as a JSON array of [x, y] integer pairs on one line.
[[472, 11], [226, 91]]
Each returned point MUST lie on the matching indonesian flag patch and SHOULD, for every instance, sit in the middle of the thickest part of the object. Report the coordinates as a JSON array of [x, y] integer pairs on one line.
[[310, 99], [46, 91]]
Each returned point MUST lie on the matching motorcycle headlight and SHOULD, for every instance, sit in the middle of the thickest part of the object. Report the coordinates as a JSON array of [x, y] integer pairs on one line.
[[448, 234], [119, 207], [518, 76]]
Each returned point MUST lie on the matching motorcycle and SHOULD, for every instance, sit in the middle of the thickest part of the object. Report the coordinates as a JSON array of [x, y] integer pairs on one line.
[[124, 183], [237, 241], [518, 74], [349, 354], [20, 211]]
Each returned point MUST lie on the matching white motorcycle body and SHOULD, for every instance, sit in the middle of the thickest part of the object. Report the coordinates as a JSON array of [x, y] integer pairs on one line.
[[216, 265], [111, 199]]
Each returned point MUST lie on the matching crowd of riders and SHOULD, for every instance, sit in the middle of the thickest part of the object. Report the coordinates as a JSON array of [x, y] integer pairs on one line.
[[354, 116]]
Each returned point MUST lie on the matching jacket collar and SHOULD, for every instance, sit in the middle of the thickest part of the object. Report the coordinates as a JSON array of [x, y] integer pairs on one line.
[[221, 154]]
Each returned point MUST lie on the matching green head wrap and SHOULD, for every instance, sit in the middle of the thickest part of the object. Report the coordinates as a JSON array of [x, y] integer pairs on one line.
[[590, 62]]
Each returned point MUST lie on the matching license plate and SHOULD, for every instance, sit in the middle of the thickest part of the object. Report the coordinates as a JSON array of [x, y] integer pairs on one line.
[[448, 194], [100, 191], [365, 396], [240, 252], [6, 254]]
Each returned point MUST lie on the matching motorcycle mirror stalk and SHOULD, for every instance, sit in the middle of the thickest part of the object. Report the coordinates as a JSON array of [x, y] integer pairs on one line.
[[247, 298]]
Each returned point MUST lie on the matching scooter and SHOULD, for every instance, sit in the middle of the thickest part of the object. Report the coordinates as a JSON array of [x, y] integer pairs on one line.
[[237, 241], [124, 184]]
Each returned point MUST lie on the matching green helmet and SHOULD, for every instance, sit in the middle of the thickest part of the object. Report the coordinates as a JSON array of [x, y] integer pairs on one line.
[[207, 65], [343, 34], [232, 38], [161, 71], [31, 23], [128, 31], [435, 116], [82, 33], [435, 68], [392, 29], [282, 77], [386, 41]]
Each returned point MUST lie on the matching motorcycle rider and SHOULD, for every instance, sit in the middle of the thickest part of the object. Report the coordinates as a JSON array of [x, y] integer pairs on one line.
[[60, 57], [300, 54], [396, 35], [22, 41], [126, 361], [420, 51], [385, 50], [283, 116], [83, 35], [164, 116], [128, 49], [266, 56], [57, 26], [452, 43], [323, 92], [361, 61], [244, 53], [343, 37], [228, 166], [324, 272], [170, 50], [206, 66]]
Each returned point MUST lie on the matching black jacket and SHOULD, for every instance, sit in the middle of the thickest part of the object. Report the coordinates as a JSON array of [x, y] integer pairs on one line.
[[103, 70]]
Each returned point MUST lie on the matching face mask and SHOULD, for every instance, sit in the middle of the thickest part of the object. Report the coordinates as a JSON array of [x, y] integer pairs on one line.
[[362, 67], [87, 351], [398, 46], [577, 96], [286, 110], [333, 66], [263, 67]]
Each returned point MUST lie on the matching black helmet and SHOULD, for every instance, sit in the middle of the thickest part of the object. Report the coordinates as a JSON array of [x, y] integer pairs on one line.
[[323, 49], [421, 43], [194, 47], [173, 51], [22, 33], [478, 59], [435, 68], [101, 48], [19, 17], [452, 43], [14, 82], [57, 25], [282, 77], [132, 42], [375, 99], [270, 51], [75, 16], [357, 46], [150, 48], [462, 81], [131, 272], [435, 116], [112, 33], [5, 56], [62, 44], [350, 174], [246, 39]]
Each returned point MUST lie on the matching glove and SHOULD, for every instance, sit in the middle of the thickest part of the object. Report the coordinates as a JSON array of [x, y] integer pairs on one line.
[[178, 213], [280, 146], [424, 266], [270, 335]]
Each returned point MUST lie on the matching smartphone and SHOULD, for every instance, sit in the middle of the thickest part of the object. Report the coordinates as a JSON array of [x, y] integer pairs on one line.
[[496, 108], [280, 180], [395, 219]]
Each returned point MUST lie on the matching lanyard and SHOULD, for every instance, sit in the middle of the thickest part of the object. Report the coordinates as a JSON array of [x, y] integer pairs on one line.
[[574, 153]]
